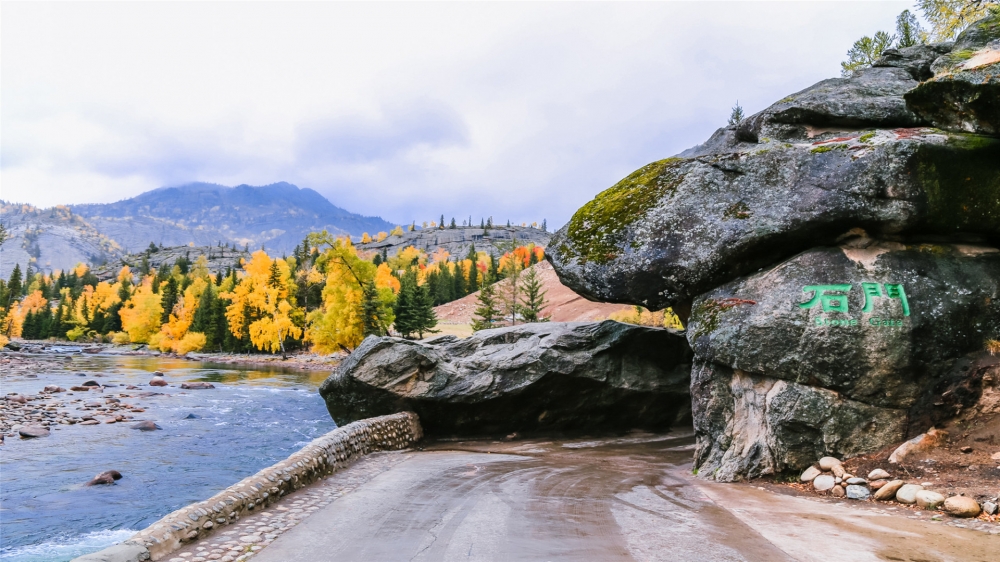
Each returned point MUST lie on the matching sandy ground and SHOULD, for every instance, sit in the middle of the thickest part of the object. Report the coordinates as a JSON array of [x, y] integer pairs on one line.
[[626, 498], [564, 304]]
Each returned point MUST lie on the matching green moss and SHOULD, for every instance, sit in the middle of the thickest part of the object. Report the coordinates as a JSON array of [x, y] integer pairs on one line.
[[706, 314], [962, 184], [866, 137], [828, 148], [595, 230], [738, 210]]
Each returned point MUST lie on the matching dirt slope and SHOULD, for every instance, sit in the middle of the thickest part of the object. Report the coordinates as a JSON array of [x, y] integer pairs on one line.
[[564, 304]]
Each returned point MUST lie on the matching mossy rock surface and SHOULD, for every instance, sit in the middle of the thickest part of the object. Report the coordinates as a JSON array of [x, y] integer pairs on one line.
[[678, 228]]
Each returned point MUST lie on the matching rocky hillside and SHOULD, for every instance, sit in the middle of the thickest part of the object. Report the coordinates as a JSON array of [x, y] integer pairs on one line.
[[218, 259], [837, 254], [457, 241], [276, 216], [564, 304], [48, 239]]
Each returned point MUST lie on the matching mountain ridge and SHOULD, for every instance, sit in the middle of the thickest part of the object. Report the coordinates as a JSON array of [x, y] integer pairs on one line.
[[276, 217]]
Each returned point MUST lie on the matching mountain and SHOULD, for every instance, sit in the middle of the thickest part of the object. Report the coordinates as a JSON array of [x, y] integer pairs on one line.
[[51, 239], [276, 216]]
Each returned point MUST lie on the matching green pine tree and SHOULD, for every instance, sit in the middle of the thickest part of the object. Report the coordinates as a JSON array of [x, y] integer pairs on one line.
[[168, 298], [487, 313], [425, 318], [533, 297], [404, 308], [14, 285], [374, 311]]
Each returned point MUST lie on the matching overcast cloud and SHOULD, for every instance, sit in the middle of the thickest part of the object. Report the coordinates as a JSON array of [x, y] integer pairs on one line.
[[408, 111]]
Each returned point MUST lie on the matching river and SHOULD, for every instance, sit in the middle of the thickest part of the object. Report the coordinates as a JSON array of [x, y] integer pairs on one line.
[[252, 419]]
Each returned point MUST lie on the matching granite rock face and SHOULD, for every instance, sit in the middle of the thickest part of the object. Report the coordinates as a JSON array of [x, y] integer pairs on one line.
[[964, 92], [842, 350], [570, 376], [790, 242], [682, 226], [844, 153]]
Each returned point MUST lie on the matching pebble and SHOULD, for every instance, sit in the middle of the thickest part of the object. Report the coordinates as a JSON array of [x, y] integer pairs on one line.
[[961, 506], [809, 474], [990, 508], [856, 481], [827, 463], [928, 499], [888, 491], [838, 492], [856, 492], [877, 484], [908, 493], [878, 474]]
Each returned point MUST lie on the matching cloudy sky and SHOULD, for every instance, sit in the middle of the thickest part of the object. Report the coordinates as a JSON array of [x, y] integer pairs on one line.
[[405, 110]]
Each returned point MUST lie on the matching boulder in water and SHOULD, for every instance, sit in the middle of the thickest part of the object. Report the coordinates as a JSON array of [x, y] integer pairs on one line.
[[106, 477], [157, 381], [33, 431], [560, 376], [197, 385], [147, 425]]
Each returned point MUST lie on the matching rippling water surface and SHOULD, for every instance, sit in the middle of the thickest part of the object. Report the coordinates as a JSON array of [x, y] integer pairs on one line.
[[251, 420]]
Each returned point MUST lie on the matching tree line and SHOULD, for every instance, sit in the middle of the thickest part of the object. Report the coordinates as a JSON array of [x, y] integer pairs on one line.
[[327, 295]]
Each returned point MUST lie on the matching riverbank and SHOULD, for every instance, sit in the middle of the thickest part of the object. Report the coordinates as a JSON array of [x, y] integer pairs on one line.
[[209, 438], [300, 360]]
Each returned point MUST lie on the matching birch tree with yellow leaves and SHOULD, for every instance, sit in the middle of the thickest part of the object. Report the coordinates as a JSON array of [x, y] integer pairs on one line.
[[262, 300]]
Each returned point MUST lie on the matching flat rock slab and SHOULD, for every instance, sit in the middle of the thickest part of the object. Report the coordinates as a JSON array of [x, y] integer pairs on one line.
[[572, 376]]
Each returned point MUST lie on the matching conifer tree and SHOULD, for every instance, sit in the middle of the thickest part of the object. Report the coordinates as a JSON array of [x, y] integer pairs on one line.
[[487, 313], [374, 311], [545, 227], [14, 285], [441, 224], [452, 226], [405, 322], [424, 315], [168, 298], [533, 297]]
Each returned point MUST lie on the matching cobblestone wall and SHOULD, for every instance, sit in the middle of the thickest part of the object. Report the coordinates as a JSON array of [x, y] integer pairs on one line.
[[324, 456]]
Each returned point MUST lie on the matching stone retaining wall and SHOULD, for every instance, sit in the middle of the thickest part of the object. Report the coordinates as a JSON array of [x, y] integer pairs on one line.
[[324, 456]]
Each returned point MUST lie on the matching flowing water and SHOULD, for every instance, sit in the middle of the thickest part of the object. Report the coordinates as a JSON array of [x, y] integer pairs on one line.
[[252, 419]]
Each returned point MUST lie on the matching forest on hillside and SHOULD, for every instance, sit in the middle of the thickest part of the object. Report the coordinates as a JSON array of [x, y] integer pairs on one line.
[[327, 296]]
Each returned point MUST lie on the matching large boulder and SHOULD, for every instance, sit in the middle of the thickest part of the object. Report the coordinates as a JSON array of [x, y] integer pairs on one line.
[[837, 351], [562, 376], [680, 227], [964, 92]]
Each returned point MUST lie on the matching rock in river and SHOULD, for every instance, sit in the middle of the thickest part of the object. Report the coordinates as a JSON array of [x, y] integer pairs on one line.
[[839, 350], [33, 431], [106, 477], [146, 426], [197, 385], [557, 376], [157, 381]]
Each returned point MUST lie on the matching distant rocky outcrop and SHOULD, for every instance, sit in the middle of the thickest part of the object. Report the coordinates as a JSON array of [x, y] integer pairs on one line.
[[458, 241], [837, 254], [554, 376], [217, 259], [49, 239]]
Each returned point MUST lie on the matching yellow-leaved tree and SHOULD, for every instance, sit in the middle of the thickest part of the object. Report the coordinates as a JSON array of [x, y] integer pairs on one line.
[[357, 298], [262, 300], [142, 313]]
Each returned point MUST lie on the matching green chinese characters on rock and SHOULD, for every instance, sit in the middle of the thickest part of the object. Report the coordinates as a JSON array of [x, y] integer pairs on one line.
[[833, 298]]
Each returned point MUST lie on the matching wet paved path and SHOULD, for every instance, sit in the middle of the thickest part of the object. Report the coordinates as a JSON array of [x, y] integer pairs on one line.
[[610, 499]]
